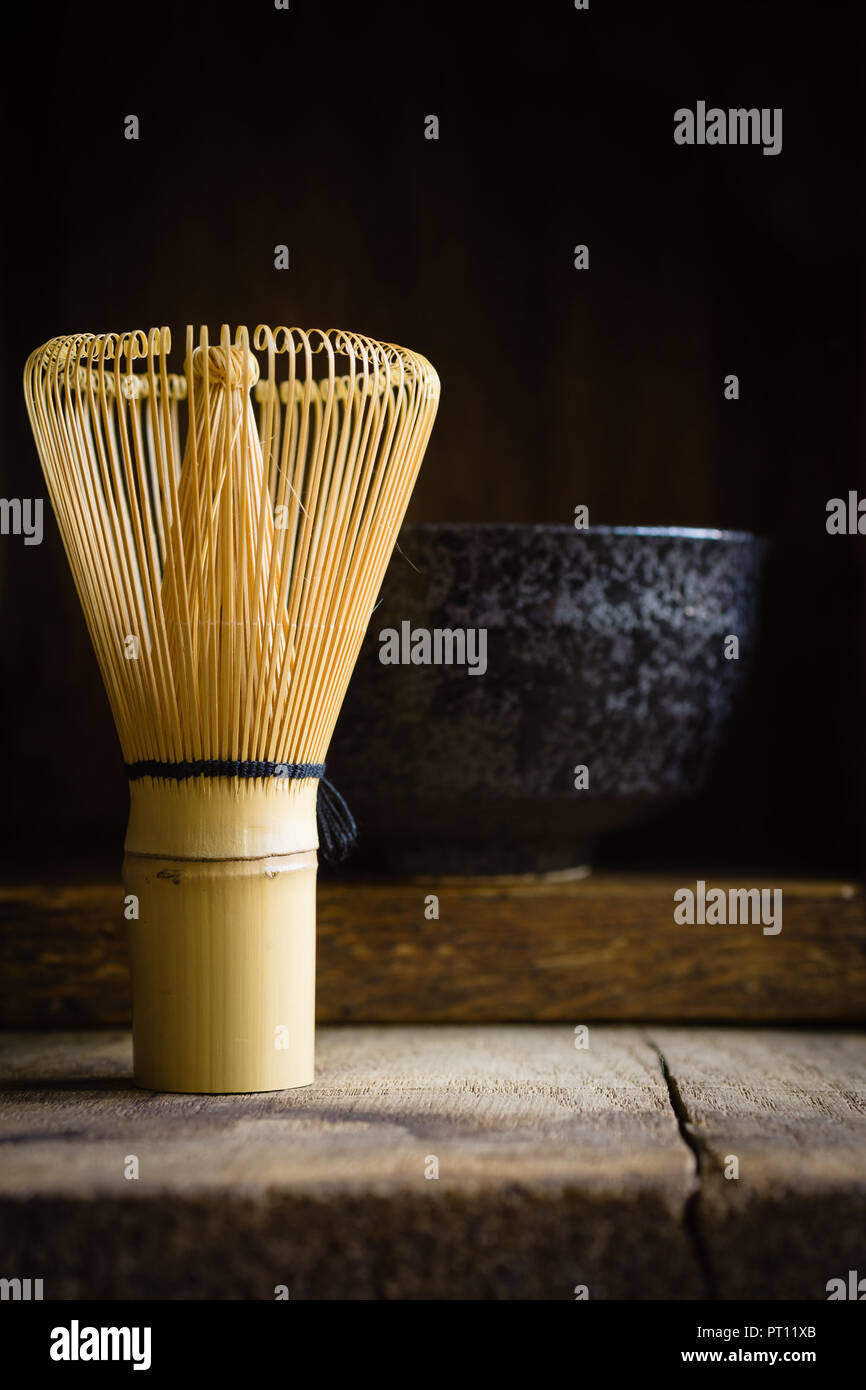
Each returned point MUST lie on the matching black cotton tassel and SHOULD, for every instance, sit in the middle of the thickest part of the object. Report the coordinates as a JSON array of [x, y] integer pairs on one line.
[[337, 829]]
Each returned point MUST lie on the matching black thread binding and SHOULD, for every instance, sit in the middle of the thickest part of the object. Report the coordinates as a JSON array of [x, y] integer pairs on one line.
[[336, 824], [221, 767]]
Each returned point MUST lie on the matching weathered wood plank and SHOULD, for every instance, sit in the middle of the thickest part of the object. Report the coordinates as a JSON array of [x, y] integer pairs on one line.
[[791, 1108], [520, 949], [557, 1167]]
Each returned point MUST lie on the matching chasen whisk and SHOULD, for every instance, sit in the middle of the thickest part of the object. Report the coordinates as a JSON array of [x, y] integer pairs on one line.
[[227, 555]]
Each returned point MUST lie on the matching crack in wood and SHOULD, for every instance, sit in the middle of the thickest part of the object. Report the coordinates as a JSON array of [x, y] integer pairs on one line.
[[692, 1206]]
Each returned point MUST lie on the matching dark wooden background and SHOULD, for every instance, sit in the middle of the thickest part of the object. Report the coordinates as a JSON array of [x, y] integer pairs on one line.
[[260, 127]]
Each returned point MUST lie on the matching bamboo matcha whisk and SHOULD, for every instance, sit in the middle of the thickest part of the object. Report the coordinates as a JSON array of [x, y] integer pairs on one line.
[[227, 584]]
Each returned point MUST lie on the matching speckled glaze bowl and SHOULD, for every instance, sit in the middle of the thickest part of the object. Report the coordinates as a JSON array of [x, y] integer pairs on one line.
[[605, 648]]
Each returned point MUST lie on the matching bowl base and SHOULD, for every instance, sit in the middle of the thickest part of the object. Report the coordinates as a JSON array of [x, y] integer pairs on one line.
[[459, 859]]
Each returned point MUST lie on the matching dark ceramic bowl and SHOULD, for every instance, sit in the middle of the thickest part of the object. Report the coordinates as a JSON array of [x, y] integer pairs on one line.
[[605, 648]]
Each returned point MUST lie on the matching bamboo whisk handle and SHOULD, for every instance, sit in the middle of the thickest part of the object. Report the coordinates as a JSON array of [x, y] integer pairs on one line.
[[222, 949], [223, 961]]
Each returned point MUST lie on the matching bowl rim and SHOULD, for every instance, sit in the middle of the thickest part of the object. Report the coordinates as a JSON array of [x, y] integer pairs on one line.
[[698, 533]]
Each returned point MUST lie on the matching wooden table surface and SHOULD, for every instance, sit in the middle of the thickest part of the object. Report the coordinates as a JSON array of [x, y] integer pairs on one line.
[[558, 1167]]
